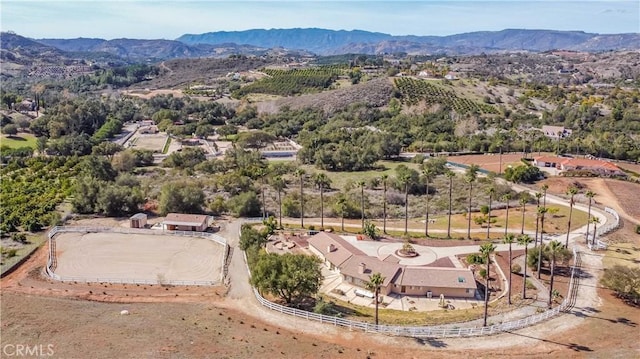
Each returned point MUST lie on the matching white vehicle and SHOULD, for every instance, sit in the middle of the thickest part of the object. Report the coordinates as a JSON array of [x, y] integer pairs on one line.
[[363, 293]]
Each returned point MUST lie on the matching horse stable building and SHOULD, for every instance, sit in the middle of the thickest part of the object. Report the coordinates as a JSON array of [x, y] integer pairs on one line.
[[356, 267]]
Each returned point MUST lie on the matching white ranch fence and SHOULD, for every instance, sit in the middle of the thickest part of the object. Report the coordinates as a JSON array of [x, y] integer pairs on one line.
[[52, 260]]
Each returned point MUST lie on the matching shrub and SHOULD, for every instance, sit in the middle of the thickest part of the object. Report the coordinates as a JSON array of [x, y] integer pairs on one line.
[[323, 307], [483, 272], [624, 281], [529, 284], [475, 258], [516, 268], [638, 229]]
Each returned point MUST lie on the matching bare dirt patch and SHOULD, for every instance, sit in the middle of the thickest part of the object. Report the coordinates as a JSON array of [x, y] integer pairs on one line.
[[150, 142], [114, 257], [489, 162]]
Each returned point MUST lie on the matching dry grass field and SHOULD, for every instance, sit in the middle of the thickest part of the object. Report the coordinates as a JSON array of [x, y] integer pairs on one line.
[[152, 142], [489, 162]]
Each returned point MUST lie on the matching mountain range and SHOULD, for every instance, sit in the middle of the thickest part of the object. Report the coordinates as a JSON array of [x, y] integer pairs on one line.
[[311, 41]]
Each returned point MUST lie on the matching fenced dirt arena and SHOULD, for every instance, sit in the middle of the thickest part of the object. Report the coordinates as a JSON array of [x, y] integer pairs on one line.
[[138, 258], [153, 142]]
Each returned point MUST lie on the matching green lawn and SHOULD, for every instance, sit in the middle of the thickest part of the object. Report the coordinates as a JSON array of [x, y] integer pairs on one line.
[[20, 140], [339, 180]]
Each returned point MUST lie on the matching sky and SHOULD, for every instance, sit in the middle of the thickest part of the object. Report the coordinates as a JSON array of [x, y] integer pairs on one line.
[[152, 19]]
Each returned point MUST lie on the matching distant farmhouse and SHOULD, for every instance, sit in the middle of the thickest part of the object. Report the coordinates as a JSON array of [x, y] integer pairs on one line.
[[599, 167], [556, 132], [356, 267]]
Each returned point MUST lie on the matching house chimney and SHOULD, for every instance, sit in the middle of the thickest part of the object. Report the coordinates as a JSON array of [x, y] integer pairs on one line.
[[331, 248], [362, 268]]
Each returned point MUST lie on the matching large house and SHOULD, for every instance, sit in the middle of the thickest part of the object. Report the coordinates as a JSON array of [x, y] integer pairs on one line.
[[185, 222], [356, 267], [599, 167]]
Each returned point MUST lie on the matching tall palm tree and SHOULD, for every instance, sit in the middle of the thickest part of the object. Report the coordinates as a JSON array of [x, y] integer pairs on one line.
[[541, 212], [554, 248], [279, 185], [405, 179], [262, 173], [470, 177], [524, 240], [428, 173], [538, 195], [491, 191], [450, 176], [321, 181], [544, 189], [361, 184], [595, 220], [374, 283], [506, 198], [300, 173], [524, 198], [590, 195], [509, 239], [342, 205], [486, 250], [384, 178], [572, 191]]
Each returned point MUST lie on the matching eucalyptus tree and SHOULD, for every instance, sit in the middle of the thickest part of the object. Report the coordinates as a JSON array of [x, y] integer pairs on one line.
[[491, 191], [449, 174], [571, 191], [509, 239], [486, 250], [506, 198], [322, 181], [590, 195], [300, 173], [525, 240], [470, 176]]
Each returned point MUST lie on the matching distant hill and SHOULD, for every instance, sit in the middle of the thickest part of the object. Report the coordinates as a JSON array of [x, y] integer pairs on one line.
[[154, 50], [329, 42]]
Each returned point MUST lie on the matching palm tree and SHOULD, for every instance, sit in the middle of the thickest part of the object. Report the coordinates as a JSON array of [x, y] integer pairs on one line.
[[541, 212], [491, 191], [342, 205], [361, 184], [374, 283], [470, 177], [595, 220], [428, 173], [384, 178], [486, 250], [262, 173], [509, 239], [524, 240], [544, 189], [450, 176], [524, 198], [590, 195], [321, 180], [538, 195], [279, 185], [572, 191], [300, 173], [405, 179], [554, 248], [506, 197]]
